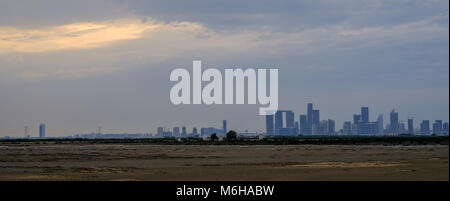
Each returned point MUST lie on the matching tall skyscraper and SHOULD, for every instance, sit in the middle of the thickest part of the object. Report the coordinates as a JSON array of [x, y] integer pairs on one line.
[[224, 126], [160, 131], [176, 131], [42, 130], [394, 121], [289, 119], [280, 127], [194, 131], [309, 112], [425, 127], [347, 128], [278, 121], [437, 127], [380, 124], [183, 131], [365, 114], [269, 125], [316, 117], [309, 115], [410, 126], [331, 127], [445, 128], [356, 118], [303, 124]]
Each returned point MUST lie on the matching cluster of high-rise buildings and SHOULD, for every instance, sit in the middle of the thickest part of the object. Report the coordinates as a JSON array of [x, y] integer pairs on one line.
[[176, 132], [283, 123]]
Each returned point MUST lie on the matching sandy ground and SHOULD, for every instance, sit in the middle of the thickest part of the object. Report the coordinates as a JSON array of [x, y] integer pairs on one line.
[[202, 162]]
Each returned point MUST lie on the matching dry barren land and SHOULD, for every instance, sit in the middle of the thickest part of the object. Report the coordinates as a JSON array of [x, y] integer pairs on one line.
[[224, 162]]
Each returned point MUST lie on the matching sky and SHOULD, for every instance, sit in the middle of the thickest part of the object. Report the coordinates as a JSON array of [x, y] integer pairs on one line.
[[77, 65]]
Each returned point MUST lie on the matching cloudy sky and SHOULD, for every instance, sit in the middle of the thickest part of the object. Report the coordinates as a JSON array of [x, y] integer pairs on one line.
[[76, 65]]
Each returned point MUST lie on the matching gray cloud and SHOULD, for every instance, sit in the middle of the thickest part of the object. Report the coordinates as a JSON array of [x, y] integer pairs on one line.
[[338, 54]]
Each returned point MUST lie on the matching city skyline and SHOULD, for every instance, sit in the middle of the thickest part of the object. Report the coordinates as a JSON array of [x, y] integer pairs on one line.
[[77, 65], [284, 123]]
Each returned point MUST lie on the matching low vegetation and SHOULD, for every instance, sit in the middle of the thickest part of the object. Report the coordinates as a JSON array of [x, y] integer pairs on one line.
[[232, 139]]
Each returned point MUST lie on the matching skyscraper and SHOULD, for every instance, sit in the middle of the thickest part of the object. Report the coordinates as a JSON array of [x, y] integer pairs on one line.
[[160, 131], [303, 124], [356, 118], [410, 126], [347, 128], [280, 127], [309, 112], [269, 125], [224, 126], [437, 127], [315, 124], [176, 131], [309, 115], [278, 121], [183, 131], [380, 124], [394, 121], [42, 130], [194, 131], [289, 119], [445, 128], [331, 127], [316, 117], [425, 127], [365, 114]]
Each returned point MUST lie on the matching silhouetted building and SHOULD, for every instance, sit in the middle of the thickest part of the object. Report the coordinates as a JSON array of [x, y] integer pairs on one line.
[[224, 126], [310, 116], [289, 127], [445, 128], [394, 122], [289, 119], [303, 124], [183, 131], [42, 131], [278, 121], [316, 127], [401, 128], [331, 127], [194, 131], [159, 131], [410, 126], [176, 131], [425, 127], [437, 127], [210, 130], [380, 124], [347, 128], [309, 113], [269, 125], [356, 118], [365, 114]]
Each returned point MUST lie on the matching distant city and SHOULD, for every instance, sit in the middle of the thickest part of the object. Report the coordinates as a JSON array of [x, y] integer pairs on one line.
[[283, 123]]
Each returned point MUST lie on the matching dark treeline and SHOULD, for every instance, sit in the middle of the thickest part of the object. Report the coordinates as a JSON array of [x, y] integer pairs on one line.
[[307, 140]]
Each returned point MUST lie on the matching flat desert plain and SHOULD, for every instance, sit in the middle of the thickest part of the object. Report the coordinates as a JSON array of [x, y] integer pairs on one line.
[[123, 162]]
